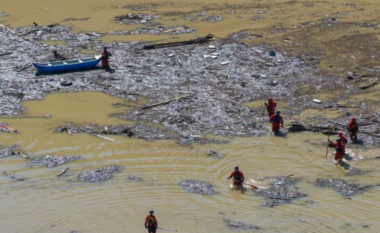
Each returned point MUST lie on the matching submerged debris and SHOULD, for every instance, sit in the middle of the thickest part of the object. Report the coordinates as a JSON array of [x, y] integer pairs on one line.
[[356, 171], [342, 187], [213, 18], [241, 225], [134, 178], [213, 153], [281, 190], [197, 186], [100, 174], [12, 176], [54, 160], [134, 19], [8, 151]]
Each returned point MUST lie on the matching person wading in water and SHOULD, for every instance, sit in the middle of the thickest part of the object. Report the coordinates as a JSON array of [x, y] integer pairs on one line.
[[238, 177], [151, 222], [276, 120]]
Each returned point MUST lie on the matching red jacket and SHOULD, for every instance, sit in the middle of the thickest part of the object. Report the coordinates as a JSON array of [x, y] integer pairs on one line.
[[238, 178], [151, 221], [353, 126], [271, 106], [339, 147]]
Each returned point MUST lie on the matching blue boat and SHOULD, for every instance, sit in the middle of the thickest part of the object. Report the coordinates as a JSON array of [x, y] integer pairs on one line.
[[67, 65]]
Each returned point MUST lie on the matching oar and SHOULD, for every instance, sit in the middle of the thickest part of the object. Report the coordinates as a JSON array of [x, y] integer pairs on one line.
[[166, 229], [328, 141], [264, 110]]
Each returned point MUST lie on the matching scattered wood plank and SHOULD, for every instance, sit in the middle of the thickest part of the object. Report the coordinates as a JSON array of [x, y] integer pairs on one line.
[[105, 137], [8, 128], [8, 29], [24, 155], [173, 30], [62, 172], [165, 102]]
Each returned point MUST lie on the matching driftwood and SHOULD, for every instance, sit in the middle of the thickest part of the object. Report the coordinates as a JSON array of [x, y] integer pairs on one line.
[[165, 102], [8, 29], [24, 68], [30, 32], [62, 172], [100, 136], [367, 86]]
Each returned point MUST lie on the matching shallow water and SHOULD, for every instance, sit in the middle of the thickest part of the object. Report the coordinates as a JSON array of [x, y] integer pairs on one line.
[[44, 203]]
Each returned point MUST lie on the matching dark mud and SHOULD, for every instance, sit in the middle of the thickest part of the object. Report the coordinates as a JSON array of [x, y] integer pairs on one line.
[[100, 174], [281, 190], [9, 151], [241, 225], [197, 186], [342, 187]]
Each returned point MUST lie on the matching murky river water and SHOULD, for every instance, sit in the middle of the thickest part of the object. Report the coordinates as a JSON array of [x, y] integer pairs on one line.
[[44, 203]]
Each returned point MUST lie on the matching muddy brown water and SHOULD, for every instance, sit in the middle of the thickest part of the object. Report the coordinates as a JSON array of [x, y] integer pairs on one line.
[[44, 203]]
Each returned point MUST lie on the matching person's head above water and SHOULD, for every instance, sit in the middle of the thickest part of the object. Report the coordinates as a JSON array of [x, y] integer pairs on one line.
[[237, 168]]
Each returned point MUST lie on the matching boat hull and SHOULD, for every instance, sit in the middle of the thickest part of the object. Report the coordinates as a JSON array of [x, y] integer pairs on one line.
[[67, 65]]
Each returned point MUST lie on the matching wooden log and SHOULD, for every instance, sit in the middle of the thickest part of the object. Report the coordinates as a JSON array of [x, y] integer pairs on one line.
[[187, 42], [8, 128], [165, 102], [4, 54], [24, 68]]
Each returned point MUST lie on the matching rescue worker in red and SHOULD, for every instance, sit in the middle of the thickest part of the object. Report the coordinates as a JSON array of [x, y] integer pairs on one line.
[[151, 222], [276, 120], [238, 177], [271, 106], [343, 139], [339, 149], [105, 56], [353, 128]]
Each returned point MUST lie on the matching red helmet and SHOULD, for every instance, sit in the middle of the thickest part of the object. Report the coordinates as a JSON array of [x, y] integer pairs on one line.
[[269, 99], [354, 118], [340, 133]]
